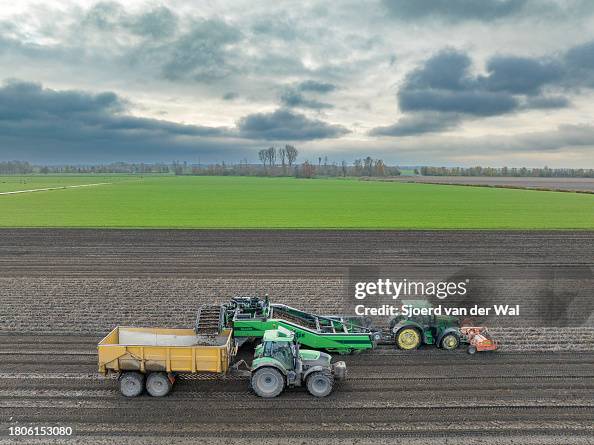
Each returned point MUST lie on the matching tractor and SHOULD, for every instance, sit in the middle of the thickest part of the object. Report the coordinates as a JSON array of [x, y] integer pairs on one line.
[[279, 363], [412, 331]]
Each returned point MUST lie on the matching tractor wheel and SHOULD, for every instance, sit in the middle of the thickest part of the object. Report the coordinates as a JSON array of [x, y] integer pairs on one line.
[[131, 384], [268, 382], [450, 342], [472, 349], [408, 339], [320, 383], [157, 384]]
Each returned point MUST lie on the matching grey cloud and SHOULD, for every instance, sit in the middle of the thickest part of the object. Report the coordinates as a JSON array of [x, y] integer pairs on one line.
[[418, 124], [200, 53], [293, 96], [231, 95], [448, 69], [285, 125], [104, 15], [316, 86], [157, 23], [454, 10], [109, 16]]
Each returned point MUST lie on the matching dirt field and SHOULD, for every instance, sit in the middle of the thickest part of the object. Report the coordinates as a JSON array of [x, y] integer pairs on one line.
[[564, 184], [538, 389]]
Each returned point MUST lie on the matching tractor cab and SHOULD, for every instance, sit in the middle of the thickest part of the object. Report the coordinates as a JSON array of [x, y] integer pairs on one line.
[[278, 346], [279, 362], [422, 326]]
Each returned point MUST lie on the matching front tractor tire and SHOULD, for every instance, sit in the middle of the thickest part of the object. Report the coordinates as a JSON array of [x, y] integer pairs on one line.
[[320, 383], [268, 382], [408, 339], [450, 342], [131, 384]]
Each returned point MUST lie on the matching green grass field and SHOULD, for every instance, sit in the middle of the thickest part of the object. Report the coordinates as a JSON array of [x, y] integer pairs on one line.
[[11, 183], [235, 202]]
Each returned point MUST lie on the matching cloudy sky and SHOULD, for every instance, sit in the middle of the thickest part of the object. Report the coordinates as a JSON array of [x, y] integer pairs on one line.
[[436, 82]]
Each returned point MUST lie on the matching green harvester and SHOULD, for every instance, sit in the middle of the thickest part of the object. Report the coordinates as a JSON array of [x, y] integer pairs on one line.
[[251, 317]]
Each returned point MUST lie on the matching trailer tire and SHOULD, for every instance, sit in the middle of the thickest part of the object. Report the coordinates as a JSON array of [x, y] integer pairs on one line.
[[320, 383], [158, 384], [450, 342], [131, 384], [268, 382]]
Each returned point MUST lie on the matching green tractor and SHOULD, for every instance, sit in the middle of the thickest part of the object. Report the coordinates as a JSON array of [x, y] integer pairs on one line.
[[279, 363], [412, 331]]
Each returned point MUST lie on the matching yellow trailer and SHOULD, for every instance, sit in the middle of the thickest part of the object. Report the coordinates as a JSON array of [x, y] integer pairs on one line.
[[149, 357]]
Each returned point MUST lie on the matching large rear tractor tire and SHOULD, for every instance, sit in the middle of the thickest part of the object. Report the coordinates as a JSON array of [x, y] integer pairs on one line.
[[131, 384], [408, 339], [268, 382], [320, 383], [158, 384], [450, 342]]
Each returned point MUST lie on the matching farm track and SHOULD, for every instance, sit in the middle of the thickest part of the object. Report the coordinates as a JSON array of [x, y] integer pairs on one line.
[[61, 290]]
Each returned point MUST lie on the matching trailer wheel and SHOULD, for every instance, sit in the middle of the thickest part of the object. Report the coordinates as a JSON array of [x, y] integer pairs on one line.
[[320, 383], [131, 384], [157, 384], [268, 382], [450, 342], [408, 339]]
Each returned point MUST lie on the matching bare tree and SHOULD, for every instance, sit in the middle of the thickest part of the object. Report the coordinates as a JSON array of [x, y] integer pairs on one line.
[[282, 153], [272, 156], [291, 154], [263, 155], [368, 164]]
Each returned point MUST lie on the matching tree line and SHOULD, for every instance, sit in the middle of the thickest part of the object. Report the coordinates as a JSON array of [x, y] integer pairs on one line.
[[283, 162], [544, 172]]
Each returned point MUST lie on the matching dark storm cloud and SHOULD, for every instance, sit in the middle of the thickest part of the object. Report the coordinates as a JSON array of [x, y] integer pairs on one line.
[[50, 125], [284, 124], [521, 75], [478, 103], [445, 86], [26, 106], [454, 10], [444, 83], [81, 126], [418, 124], [579, 61]]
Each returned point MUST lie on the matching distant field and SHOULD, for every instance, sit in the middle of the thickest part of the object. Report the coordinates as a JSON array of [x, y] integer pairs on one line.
[[235, 202], [585, 185]]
